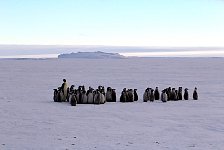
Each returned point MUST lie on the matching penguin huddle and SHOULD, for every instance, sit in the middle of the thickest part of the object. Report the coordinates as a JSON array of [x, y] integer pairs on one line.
[[168, 94], [61, 94], [83, 96], [129, 95], [91, 96], [99, 96]]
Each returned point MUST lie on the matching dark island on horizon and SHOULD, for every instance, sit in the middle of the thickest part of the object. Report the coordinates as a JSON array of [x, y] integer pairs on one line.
[[92, 55]]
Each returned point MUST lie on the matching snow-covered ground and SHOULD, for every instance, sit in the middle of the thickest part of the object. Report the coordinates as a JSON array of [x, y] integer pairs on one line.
[[29, 119]]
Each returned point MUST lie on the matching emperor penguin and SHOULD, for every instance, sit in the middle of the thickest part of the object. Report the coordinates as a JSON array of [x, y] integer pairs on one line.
[[84, 97], [64, 88], [55, 97], [146, 95], [97, 97], [60, 95], [152, 97], [186, 95], [179, 93], [102, 98], [90, 96], [195, 94], [123, 97], [73, 99], [135, 95], [79, 96], [113, 95], [130, 95], [156, 93], [109, 94], [164, 96], [172, 94]]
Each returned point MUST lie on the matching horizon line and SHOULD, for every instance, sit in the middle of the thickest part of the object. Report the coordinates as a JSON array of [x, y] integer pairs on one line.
[[179, 54], [143, 46]]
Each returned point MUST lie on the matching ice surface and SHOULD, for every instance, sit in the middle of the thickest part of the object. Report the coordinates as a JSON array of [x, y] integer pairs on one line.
[[31, 120]]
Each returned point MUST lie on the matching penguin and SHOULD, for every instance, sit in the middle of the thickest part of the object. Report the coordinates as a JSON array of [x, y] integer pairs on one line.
[[156, 93], [130, 95], [195, 94], [146, 95], [73, 99], [113, 95], [90, 96], [79, 96], [176, 95], [64, 88], [164, 96], [94, 94], [72, 87], [168, 92], [68, 94], [123, 97], [180, 93], [103, 91], [186, 96], [97, 97], [84, 98], [152, 97], [60, 95], [55, 97], [109, 95], [135, 95], [102, 98], [173, 94]]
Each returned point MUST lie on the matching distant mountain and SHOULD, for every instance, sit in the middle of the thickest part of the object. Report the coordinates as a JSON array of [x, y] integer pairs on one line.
[[92, 55]]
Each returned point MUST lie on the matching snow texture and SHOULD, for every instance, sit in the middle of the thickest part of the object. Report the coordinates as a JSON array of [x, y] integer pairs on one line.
[[31, 120]]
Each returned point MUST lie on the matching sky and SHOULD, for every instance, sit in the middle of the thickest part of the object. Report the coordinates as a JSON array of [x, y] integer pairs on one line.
[[113, 22]]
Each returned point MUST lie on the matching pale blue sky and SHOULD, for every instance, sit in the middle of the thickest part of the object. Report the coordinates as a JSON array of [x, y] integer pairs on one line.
[[113, 22]]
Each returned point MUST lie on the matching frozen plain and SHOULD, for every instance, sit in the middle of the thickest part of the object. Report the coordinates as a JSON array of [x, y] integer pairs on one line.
[[29, 119]]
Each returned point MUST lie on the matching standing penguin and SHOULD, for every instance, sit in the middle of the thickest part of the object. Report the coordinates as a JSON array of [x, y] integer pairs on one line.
[[130, 95], [102, 98], [135, 95], [109, 94], [64, 88], [180, 93], [176, 94], [97, 97], [84, 97], [55, 97], [60, 94], [195, 94], [90, 96], [79, 95], [68, 94], [123, 97], [186, 95], [156, 93], [146, 95], [73, 99], [168, 92], [173, 94], [94, 94], [152, 97], [113, 95], [164, 96]]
